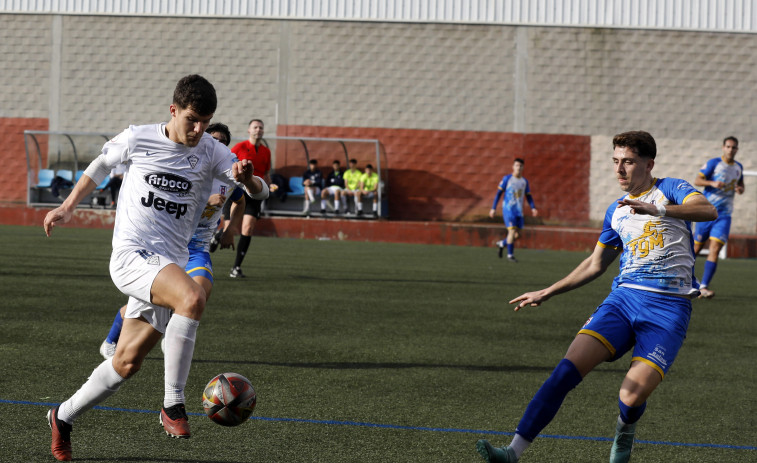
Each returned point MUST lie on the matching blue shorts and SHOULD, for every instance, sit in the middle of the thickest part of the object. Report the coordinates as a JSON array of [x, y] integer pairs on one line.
[[717, 229], [653, 324], [513, 221], [199, 264]]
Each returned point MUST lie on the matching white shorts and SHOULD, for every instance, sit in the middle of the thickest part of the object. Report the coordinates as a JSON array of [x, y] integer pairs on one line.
[[333, 189], [133, 271]]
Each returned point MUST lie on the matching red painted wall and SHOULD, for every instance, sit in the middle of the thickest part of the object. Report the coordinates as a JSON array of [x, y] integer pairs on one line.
[[453, 175], [13, 179]]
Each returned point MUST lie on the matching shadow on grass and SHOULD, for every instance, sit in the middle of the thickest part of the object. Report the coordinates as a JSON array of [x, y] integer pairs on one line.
[[390, 365], [167, 460]]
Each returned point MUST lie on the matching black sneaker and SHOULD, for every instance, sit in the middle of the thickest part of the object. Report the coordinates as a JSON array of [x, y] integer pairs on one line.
[[236, 272], [215, 240], [512, 258], [359, 212]]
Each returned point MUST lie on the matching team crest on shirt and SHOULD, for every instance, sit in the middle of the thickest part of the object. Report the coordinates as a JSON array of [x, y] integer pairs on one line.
[[193, 160], [651, 238], [153, 260], [223, 190]]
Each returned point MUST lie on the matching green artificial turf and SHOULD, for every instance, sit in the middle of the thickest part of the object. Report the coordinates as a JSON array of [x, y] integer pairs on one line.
[[363, 352]]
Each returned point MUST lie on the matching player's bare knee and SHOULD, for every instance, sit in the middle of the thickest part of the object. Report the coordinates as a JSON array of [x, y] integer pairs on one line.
[[126, 366], [193, 303]]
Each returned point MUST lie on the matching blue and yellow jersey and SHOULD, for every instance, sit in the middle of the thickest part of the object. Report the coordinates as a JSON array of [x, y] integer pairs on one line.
[[211, 217], [731, 174], [657, 252], [515, 190]]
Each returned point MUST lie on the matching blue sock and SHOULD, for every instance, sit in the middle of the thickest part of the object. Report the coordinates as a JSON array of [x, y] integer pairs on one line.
[[115, 329], [543, 407], [709, 272], [510, 248], [630, 415]]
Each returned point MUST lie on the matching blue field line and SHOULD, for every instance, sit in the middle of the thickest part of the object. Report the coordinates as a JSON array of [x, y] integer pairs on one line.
[[364, 424]]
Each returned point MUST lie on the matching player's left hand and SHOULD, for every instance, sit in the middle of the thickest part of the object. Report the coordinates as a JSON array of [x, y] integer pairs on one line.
[[638, 207], [242, 170], [534, 212], [740, 189]]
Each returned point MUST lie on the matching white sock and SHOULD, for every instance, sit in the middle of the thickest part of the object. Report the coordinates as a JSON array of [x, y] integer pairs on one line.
[[323, 204], [519, 445], [375, 207], [180, 344], [359, 205], [102, 383], [336, 204]]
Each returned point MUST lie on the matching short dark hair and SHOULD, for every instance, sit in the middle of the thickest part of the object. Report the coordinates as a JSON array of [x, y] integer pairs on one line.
[[369, 166], [194, 91], [221, 128], [313, 161], [255, 120], [520, 160], [353, 161], [731, 137], [640, 142], [336, 161]]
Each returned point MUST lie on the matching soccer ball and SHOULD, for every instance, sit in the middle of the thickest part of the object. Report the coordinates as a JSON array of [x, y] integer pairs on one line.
[[229, 399]]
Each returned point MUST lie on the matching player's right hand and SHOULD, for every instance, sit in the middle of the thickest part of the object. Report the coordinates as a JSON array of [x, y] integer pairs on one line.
[[57, 215], [534, 299]]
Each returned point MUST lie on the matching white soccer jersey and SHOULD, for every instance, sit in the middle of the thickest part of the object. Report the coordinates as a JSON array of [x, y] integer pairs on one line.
[[166, 188], [657, 251]]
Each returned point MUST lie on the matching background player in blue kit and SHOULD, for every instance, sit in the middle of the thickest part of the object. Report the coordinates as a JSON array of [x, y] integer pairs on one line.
[[515, 188], [721, 178], [199, 267], [648, 309]]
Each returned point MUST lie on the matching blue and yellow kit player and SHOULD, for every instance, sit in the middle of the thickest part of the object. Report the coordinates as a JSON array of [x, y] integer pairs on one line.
[[721, 178], [515, 189], [648, 309]]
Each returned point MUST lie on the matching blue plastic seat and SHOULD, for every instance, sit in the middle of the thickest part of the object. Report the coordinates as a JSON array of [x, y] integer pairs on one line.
[[296, 187], [78, 175], [45, 178], [65, 175]]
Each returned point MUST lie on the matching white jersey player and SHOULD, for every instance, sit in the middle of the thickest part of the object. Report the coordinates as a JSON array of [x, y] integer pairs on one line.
[[171, 168]]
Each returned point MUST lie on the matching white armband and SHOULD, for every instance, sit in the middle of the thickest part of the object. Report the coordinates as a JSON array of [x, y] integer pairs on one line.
[[262, 194], [660, 210]]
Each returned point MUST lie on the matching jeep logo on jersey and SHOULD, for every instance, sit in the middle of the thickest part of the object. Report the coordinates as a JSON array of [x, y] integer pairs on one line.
[[168, 182], [160, 204]]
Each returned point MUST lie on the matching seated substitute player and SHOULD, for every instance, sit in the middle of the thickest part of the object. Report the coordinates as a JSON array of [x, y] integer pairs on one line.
[[351, 185], [515, 187], [648, 308], [369, 183], [721, 178], [171, 168], [199, 266], [312, 180], [334, 186]]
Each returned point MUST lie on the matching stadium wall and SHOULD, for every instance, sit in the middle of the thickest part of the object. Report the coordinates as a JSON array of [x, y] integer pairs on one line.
[[502, 83]]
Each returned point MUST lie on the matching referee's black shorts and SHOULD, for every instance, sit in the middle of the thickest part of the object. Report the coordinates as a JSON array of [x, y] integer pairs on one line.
[[251, 207]]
